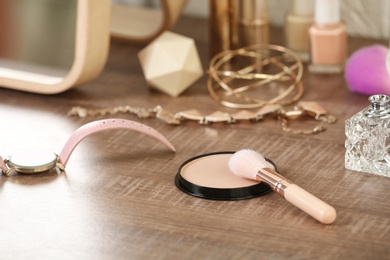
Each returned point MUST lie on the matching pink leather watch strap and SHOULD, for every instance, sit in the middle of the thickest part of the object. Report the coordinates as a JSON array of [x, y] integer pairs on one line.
[[3, 167], [108, 124]]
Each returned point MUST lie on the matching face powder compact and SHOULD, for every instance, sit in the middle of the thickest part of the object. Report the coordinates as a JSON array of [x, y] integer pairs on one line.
[[208, 176]]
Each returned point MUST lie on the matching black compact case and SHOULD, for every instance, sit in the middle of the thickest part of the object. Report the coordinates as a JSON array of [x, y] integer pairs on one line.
[[213, 193]]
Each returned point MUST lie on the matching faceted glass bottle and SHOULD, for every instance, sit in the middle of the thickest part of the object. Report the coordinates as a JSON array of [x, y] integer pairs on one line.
[[368, 138]]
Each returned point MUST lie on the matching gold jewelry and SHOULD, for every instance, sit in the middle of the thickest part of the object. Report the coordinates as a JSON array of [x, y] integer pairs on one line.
[[304, 108], [236, 75], [283, 72]]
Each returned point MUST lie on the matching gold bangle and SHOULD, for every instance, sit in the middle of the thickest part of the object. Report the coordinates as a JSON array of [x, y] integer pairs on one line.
[[232, 80]]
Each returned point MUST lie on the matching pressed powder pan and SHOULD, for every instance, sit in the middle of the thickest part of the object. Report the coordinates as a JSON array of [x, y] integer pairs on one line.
[[208, 176]]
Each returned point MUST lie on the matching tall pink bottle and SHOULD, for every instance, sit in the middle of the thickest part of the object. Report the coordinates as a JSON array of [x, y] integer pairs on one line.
[[328, 38]]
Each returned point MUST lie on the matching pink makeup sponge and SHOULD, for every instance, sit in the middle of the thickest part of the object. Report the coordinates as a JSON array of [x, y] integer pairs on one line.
[[366, 71]]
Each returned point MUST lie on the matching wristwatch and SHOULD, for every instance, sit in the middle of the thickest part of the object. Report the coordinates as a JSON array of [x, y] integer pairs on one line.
[[39, 160]]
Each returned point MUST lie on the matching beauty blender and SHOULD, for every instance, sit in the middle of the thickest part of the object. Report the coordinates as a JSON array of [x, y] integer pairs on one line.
[[366, 72]]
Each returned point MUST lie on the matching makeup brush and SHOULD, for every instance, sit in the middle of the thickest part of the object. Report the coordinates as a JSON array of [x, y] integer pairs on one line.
[[252, 165]]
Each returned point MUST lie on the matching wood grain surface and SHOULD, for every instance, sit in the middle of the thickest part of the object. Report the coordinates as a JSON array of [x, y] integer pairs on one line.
[[117, 199]]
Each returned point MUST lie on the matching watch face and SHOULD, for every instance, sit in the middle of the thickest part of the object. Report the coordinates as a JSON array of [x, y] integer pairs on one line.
[[32, 161]]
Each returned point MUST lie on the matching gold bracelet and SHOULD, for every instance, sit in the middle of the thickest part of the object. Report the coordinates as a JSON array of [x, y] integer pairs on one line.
[[235, 74], [303, 108]]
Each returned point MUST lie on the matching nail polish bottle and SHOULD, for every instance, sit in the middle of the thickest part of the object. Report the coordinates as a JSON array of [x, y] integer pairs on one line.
[[297, 25], [328, 38], [368, 138]]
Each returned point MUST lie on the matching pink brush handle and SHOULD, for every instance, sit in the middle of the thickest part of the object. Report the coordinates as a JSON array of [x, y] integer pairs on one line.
[[310, 204], [107, 124]]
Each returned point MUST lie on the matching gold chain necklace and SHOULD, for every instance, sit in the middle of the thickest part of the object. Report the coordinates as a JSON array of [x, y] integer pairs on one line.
[[303, 108]]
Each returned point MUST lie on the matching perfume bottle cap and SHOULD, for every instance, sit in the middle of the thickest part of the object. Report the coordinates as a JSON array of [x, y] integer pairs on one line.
[[380, 107], [302, 7], [327, 12]]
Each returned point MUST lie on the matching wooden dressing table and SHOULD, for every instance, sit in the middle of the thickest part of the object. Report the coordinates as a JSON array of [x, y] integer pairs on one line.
[[118, 200]]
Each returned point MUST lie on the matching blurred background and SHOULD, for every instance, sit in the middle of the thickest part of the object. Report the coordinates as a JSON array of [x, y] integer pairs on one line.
[[365, 18]]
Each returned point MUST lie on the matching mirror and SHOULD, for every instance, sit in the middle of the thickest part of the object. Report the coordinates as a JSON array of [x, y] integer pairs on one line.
[[141, 24], [37, 37], [48, 46]]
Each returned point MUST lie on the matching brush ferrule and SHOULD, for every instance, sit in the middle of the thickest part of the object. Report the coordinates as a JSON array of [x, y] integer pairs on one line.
[[277, 182]]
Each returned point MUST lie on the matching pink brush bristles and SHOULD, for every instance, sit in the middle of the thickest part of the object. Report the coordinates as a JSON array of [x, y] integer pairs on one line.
[[246, 163]]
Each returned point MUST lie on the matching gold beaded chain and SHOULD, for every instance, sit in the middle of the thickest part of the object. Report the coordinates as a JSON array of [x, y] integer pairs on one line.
[[304, 108]]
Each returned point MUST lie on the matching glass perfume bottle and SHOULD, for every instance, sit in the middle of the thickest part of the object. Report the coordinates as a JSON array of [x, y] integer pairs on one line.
[[368, 138]]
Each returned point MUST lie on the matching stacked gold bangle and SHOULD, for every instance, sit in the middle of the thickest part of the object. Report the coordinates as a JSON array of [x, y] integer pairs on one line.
[[255, 76]]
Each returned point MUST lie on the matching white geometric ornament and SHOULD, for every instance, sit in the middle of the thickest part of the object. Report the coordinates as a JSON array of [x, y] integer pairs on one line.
[[171, 63]]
